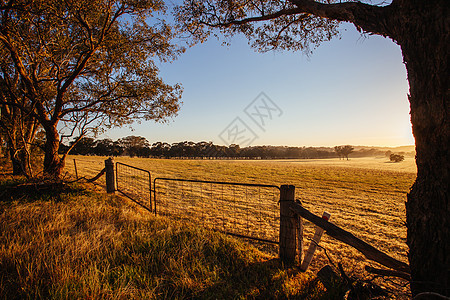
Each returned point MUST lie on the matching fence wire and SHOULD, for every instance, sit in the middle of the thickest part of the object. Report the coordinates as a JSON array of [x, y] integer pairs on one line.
[[135, 183], [247, 210], [86, 168]]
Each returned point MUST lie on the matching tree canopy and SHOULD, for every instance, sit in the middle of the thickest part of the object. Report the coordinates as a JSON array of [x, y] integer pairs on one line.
[[82, 66]]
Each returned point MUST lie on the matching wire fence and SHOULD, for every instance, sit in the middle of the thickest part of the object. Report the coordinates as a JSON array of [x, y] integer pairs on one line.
[[86, 168], [240, 209], [135, 183], [247, 210]]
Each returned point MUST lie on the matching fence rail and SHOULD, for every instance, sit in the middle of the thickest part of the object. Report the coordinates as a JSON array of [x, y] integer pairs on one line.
[[89, 169], [248, 210], [136, 184]]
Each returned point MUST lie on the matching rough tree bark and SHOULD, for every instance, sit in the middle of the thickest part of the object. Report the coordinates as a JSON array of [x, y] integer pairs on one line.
[[18, 166], [424, 40], [53, 164]]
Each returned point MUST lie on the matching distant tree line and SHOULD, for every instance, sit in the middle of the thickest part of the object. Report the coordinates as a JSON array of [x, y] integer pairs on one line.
[[137, 146]]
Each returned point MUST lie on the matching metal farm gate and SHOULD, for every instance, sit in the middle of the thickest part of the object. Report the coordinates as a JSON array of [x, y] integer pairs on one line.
[[247, 210], [135, 183]]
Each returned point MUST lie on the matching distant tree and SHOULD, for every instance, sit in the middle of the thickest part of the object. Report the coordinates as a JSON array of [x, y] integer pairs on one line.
[[86, 65], [338, 150], [233, 150], [134, 145], [388, 153], [104, 147], [117, 149], [83, 146], [346, 150], [159, 149], [396, 157]]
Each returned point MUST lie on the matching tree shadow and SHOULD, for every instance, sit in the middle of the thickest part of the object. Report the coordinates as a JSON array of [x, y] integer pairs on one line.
[[23, 190], [261, 280]]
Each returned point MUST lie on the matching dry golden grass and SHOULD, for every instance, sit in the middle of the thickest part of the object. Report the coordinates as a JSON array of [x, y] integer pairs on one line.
[[69, 243], [364, 196]]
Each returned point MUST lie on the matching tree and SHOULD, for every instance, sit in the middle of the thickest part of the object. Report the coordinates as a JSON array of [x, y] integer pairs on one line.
[[134, 145], [343, 151], [17, 127], [396, 157], [104, 147], [18, 131], [346, 150], [86, 65], [420, 28], [83, 146], [338, 150]]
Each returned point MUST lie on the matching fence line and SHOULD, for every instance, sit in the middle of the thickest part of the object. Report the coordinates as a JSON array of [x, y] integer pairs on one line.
[[247, 210], [88, 169]]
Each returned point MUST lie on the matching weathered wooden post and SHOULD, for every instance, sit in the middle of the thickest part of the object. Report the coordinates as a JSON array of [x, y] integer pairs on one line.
[[314, 243], [287, 225], [110, 180], [299, 235]]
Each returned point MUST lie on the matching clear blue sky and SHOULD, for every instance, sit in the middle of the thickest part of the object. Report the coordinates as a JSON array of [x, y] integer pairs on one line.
[[351, 90]]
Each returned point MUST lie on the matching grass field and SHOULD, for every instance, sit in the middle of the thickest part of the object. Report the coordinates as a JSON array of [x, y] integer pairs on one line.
[[65, 242], [364, 196]]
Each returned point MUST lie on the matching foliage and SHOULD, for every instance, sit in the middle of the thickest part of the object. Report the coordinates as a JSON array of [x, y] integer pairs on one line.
[[396, 157], [271, 25], [86, 64], [140, 147], [135, 146], [343, 151], [79, 244]]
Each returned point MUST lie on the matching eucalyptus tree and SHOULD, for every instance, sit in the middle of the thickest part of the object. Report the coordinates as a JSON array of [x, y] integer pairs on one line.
[[17, 127], [87, 65], [421, 29]]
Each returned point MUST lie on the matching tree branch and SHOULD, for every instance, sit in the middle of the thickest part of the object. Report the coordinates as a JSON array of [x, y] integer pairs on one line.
[[370, 18], [283, 12], [23, 73]]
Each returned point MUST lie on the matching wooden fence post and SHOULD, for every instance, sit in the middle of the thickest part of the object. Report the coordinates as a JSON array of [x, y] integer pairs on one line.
[[299, 235], [314, 243], [287, 225], [110, 180]]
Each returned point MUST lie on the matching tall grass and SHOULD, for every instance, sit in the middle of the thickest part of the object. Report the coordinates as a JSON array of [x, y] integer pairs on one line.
[[66, 243]]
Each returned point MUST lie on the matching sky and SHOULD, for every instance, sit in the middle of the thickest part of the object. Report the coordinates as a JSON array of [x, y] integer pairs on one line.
[[351, 90]]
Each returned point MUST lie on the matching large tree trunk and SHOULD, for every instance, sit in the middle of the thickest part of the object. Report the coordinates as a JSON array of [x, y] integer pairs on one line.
[[20, 158], [19, 167], [424, 42], [53, 164]]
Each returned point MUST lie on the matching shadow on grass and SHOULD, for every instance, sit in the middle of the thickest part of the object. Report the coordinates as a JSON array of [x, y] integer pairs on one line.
[[23, 190], [262, 280]]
